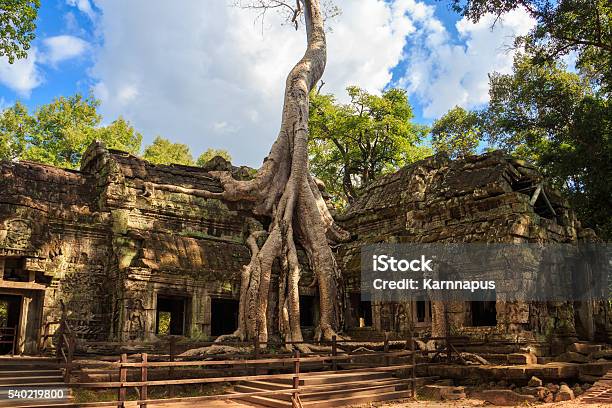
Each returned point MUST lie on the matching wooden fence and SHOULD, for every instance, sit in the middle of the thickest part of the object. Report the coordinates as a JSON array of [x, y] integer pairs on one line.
[[8, 335], [144, 362]]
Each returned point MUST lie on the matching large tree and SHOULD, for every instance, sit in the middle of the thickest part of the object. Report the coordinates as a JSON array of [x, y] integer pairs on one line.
[[457, 133], [210, 153], [58, 133], [163, 151], [284, 192], [17, 25], [554, 118], [354, 143]]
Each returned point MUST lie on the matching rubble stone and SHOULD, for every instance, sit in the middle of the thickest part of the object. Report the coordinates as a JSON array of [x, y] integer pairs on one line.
[[534, 382], [564, 394], [505, 397]]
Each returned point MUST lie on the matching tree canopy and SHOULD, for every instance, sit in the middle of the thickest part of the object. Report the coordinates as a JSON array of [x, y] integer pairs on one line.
[[210, 153], [163, 151], [59, 132], [457, 133], [553, 117], [17, 25], [351, 144]]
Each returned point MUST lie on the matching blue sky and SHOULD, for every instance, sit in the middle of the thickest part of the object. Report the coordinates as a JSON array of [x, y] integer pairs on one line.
[[211, 75]]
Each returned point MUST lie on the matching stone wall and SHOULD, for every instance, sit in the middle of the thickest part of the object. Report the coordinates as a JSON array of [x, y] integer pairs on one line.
[[484, 198], [122, 240]]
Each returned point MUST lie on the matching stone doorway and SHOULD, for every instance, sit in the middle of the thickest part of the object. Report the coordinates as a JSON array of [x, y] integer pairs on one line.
[[223, 316], [170, 315], [10, 315], [307, 311], [483, 313], [364, 313]]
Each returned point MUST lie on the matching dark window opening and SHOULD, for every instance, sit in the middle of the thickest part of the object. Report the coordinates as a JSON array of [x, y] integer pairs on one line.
[[364, 312], [10, 311], [307, 304], [543, 208], [13, 270], [170, 316], [420, 310], [40, 277], [542, 205], [483, 313], [224, 316]]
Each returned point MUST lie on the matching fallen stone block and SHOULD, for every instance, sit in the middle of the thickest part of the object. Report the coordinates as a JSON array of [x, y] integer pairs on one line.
[[534, 382], [572, 357], [565, 394], [443, 392], [585, 348], [505, 397]]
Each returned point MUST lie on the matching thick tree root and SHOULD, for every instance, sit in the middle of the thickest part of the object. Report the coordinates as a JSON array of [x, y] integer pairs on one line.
[[284, 191]]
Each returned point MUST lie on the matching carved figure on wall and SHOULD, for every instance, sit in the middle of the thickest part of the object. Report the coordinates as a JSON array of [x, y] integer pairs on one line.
[[136, 320], [15, 234]]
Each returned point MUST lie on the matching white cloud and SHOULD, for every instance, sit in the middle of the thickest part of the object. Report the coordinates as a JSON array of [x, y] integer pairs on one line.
[[63, 47], [442, 73], [204, 74], [23, 75], [84, 7]]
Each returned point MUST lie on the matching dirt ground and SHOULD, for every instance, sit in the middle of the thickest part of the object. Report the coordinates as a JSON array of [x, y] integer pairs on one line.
[[470, 403]]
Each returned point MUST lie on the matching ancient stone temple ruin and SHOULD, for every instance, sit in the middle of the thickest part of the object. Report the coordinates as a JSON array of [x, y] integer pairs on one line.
[[134, 250]]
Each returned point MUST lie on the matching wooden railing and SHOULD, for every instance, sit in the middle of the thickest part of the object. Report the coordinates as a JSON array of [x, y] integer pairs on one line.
[[8, 335], [46, 335], [389, 361]]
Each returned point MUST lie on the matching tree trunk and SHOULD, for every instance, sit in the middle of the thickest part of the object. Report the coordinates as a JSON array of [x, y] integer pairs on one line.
[[284, 190]]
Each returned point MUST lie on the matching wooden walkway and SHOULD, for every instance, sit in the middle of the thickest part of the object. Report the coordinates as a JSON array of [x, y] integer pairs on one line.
[[601, 391]]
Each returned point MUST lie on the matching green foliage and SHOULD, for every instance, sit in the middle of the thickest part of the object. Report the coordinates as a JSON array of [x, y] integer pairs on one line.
[[17, 27], [3, 313], [163, 151], [457, 133], [562, 26], [121, 135], [59, 132], [210, 153], [163, 323], [352, 144], [558, 120], [15, 123]]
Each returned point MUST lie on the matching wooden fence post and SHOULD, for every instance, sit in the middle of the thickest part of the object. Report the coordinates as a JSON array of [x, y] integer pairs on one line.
[[144, 394], [334, 353], [171, 370], [386, 348], [255, 351], [295, 400], [122, 379], [413, 358]]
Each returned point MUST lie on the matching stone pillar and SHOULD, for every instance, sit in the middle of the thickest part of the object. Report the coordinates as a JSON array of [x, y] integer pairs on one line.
[[1, 269], [23, 323]]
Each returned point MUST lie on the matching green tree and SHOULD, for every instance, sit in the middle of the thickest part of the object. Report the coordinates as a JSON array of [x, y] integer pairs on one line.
[[163, 151], [561, 27], [557, 119], [352, 144], [15, 126], [59, 132], [62, 130], [457, 133], [210, 153], [121, 135], [17, 25]]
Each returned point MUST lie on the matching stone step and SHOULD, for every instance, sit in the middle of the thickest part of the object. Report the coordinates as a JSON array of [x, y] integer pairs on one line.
[[34, 379], [329, 391], [28, 373], [335, 402], [336, 378]]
